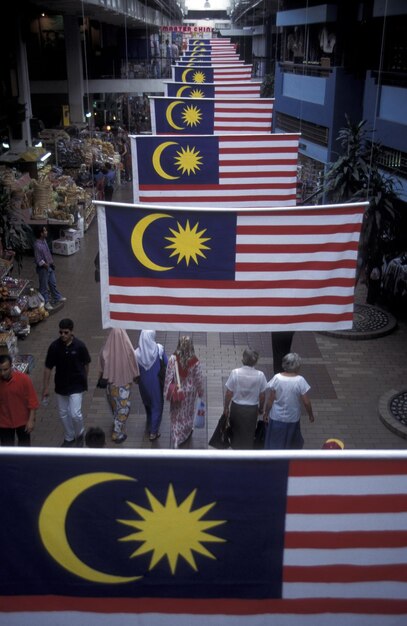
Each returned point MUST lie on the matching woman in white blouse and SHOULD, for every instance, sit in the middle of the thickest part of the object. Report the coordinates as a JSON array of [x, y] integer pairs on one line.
[[244, 400]]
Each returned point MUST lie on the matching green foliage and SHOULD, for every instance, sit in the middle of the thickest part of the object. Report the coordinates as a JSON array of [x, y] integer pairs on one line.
[[355, 176], [14, 233], [267, 86]]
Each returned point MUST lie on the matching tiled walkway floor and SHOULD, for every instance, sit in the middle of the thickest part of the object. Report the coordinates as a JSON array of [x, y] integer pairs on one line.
[[347, 377]]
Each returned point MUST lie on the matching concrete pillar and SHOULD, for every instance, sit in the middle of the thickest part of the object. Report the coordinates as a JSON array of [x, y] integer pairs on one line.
[[74, 69]]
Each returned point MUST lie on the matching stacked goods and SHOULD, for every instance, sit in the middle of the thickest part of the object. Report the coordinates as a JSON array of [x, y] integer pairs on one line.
[[43, 199]]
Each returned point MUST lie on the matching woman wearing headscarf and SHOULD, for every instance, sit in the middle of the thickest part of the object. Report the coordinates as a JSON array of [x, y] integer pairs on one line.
[[117, 364], [244, 400], [182, 412], [152, 361]]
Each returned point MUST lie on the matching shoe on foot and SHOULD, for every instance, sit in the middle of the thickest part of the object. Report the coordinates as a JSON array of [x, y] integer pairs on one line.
[[49, 306], [79, 441], [154, 436], [119, 438], [67, 444], [62, 299]]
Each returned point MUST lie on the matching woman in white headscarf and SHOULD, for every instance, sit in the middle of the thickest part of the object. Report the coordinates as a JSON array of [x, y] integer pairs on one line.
[[152, 362]]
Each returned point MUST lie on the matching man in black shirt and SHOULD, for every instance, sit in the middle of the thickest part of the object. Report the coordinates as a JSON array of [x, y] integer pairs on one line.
[[71, 359]]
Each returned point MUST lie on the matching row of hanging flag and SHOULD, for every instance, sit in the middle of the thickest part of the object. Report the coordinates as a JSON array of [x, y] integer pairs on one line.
[[215, 241]]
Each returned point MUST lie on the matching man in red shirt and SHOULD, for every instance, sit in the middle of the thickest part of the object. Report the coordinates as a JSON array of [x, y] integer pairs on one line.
[[18, 403]]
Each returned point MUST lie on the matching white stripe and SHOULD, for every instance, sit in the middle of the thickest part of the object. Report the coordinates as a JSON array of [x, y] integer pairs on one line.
[[59, 618], [346, 522], [261, 141], [270, 168], [289, 257], [231, 327], [204, 292], [346, 485], [300, 220], [238, 311], [380, 590], [230, 195], [354, 556]]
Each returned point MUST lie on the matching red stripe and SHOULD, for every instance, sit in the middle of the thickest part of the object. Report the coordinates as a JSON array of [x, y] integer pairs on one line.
[[255, 164], [233, 319], [243, 149], [243, 197], [347, 504], [305, 211], [294, 267], [354, 539], [254, 186], [213, 606], [249, 187], [345, 573], [229, 302], [120, 281], [241, 139], [306, 248], [348, 467]]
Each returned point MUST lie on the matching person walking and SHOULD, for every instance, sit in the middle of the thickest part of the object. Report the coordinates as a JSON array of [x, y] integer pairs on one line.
[[244, 400], [152, 362], [70, 358], [18, 403], [118, 366], [45, 268], [110, 179], [190, 378], [287, 392]]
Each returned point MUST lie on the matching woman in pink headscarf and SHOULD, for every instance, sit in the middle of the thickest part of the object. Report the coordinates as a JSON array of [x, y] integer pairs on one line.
[[117, 364]]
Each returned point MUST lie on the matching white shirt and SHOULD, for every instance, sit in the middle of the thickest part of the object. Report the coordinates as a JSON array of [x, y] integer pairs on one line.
[[287, 404], [246, 384]]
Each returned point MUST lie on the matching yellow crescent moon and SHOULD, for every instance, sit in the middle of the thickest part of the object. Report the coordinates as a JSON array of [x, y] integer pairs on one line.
[[52, 522], [137, 242], [181, 90], [168, 115], [184, 75], [157, 160]]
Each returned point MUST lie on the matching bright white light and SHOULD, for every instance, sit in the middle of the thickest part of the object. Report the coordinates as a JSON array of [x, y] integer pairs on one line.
[[6, 145], [38, 144], [88, 114], [46, 156]]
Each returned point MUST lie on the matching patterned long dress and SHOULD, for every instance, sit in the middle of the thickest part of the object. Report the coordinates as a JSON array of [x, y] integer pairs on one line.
[[182, 413]]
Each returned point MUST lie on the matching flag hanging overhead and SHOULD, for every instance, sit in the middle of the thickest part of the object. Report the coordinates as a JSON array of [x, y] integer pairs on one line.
[[229, 170], [281, 269], [210, 116], [211, 74], [236, 89], [191, 62], [175, 539]]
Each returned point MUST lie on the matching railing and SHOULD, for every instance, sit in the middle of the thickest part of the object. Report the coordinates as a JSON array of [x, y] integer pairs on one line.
[[305, 69]]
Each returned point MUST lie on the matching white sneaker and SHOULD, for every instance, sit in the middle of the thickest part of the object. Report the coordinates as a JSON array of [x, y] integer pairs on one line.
[[49, 306]]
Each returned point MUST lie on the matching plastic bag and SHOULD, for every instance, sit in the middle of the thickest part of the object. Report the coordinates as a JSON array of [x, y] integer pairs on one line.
[[199, 419]]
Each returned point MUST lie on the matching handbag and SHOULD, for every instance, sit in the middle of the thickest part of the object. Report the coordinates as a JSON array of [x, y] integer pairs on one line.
[[174, 392], [199, 419], [161, 373], [259, 435], [221, 435], [102, 382]]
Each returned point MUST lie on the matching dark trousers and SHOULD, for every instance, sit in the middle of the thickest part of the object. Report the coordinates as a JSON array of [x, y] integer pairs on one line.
[[7, 436], [281, 344]]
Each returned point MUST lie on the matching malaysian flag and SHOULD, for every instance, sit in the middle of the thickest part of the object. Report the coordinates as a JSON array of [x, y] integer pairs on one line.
[[271, 270], [215, 171], [246, 89], [209, 74], [202, 539], [210, 116], [196, 60]]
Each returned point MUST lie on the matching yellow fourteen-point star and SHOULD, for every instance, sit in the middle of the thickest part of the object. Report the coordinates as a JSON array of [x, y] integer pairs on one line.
[[188, 243], [172, 530]]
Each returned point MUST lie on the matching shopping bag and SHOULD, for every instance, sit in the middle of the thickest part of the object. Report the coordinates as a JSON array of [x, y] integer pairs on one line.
[[199, 419], [259, 435], [221, 434]]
